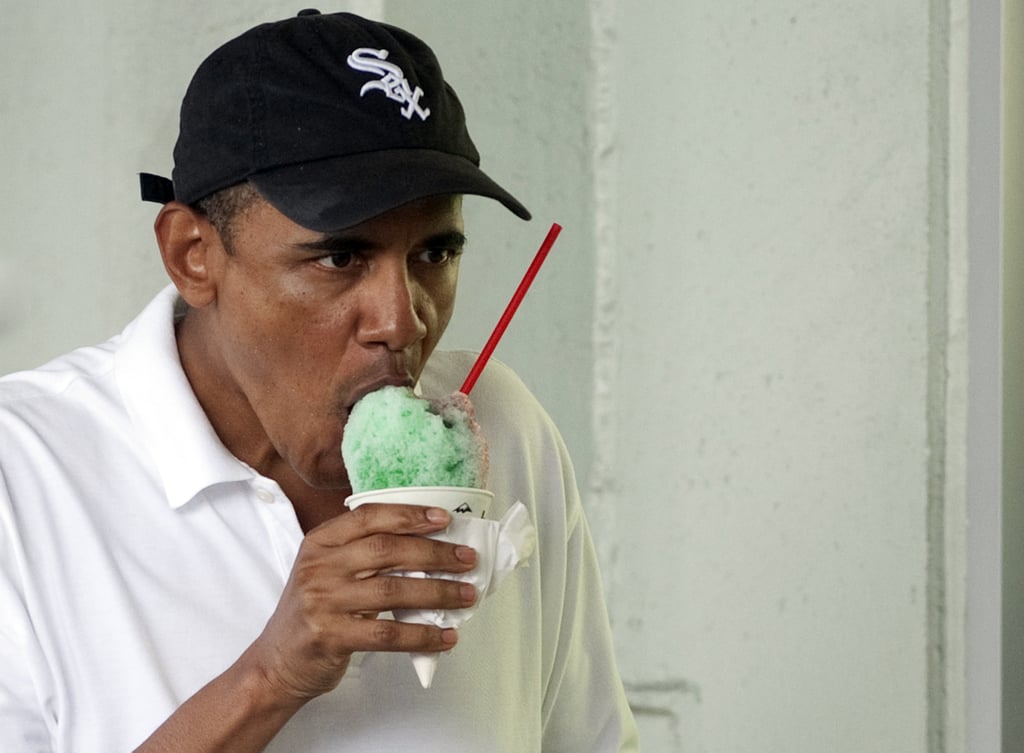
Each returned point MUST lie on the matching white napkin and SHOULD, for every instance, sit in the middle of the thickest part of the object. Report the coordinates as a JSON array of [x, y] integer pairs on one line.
[[501, 546]]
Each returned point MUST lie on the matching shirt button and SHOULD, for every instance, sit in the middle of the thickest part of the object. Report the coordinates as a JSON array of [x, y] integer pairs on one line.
[[264, 496]]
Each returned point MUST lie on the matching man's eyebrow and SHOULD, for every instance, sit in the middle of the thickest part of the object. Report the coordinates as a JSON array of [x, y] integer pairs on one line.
[[343, 242], [449, 239], [339, 243]]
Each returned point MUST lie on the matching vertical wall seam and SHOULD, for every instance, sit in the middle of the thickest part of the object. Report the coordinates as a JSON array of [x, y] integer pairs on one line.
[[983, 99], [602, 484], [938, 334]]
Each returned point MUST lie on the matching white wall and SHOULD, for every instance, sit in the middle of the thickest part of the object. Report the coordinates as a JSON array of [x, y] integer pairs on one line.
[[752, 330]]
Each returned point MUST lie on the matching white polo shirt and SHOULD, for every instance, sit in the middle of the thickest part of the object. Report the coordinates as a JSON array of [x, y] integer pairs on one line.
[[139, 558]]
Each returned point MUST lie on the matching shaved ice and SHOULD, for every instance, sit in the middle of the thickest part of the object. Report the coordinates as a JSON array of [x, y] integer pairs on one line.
[[395, 439]]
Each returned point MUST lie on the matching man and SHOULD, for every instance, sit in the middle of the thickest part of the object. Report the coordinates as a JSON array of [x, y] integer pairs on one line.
[[177, 569]]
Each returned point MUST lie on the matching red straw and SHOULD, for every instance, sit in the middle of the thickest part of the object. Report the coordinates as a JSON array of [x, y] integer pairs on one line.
[[517, 298]]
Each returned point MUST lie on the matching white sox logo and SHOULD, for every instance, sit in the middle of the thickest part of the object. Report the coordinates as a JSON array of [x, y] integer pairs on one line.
[[392, 80]]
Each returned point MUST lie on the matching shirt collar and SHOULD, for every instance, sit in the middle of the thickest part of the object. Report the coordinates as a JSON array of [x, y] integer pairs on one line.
[[188, 454]]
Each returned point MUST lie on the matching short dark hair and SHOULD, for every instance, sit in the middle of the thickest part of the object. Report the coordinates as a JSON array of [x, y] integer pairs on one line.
[[224, 208]]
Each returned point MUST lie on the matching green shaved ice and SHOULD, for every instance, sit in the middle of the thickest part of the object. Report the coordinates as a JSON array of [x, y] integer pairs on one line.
[[394, 439]]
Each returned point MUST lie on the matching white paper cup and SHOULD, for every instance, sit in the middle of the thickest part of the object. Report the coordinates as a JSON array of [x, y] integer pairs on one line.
[[458, 500], [461, 501]]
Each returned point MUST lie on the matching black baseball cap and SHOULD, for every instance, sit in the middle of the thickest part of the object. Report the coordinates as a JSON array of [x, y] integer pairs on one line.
[[335, 118]]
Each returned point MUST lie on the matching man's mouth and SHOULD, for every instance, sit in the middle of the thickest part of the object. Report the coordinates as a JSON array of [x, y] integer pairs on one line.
[[389, 380]]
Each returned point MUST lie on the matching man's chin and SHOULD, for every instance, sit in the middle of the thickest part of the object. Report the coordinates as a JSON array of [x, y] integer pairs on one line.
[[328, 477]]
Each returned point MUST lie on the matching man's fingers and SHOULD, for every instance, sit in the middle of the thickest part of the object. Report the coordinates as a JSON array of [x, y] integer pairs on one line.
[[386, 592], [391, 635], [384, 553], [367, 520], [376, 539]]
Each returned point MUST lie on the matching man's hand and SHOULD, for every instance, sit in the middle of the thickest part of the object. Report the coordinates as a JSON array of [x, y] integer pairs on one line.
[[342, 580]]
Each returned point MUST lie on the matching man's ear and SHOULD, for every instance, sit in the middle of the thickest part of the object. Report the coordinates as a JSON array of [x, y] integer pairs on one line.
[[191, 250]]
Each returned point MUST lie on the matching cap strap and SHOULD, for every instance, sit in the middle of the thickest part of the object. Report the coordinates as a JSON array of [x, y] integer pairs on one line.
[[156, 188]]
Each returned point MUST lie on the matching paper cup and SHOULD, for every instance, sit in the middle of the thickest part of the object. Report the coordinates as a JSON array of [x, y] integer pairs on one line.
[[458, 500]]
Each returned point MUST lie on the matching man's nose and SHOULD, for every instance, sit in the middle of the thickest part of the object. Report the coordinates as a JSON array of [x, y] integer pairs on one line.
[[389, 308]]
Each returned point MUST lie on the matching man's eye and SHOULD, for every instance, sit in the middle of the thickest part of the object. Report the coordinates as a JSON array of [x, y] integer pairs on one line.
[[438, 255], [339, 260]]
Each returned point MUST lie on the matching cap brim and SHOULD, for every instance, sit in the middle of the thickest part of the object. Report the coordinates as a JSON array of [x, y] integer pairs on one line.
[[339, 192]]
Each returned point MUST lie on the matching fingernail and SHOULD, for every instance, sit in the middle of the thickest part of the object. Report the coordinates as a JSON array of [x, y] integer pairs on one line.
[[437, 515], [468, 593], [465, 554], [450, 636]]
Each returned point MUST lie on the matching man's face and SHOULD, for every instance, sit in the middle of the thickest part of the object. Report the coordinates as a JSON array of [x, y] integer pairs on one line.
[[305, 323]]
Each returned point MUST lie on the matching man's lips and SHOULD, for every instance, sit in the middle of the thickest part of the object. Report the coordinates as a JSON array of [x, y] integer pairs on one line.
[[389, 380]]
